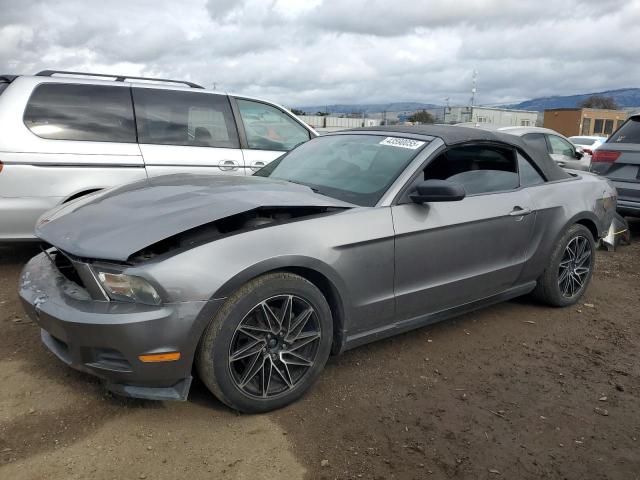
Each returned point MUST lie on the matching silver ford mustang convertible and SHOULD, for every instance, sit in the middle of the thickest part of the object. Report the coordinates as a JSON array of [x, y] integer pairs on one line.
[[252, 282]]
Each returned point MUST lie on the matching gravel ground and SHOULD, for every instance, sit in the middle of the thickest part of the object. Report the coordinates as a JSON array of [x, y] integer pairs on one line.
[[516, 391]]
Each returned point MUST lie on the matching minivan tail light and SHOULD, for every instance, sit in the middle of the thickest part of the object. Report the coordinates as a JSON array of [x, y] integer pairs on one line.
[[604, 156], [1, 165]]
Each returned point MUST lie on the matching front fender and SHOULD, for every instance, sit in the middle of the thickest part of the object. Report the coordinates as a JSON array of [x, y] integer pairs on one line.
[[282, 262]]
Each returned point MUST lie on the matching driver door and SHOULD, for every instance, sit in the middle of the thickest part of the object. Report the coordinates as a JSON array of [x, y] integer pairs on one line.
[[451, 253]]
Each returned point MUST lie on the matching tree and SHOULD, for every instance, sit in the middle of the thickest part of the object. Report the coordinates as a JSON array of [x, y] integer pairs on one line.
[[421, 116], [599, 101], [295, 111], [322, 114]]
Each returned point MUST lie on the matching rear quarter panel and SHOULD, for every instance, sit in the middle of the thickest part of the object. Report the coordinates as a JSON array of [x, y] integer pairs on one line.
[[584, 198]]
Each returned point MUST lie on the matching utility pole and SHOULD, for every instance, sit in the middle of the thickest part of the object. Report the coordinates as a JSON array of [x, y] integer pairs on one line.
[[447, 109], [474, 80]]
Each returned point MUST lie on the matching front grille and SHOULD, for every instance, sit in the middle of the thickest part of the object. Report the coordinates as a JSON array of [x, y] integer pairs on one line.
[[67, 269]]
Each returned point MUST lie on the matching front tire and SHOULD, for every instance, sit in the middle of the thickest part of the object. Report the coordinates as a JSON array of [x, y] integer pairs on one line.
[[569, 270], [268, 343]]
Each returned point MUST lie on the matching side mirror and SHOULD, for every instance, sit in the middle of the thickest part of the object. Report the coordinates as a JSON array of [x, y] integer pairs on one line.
[[437, 191], [579, 153]]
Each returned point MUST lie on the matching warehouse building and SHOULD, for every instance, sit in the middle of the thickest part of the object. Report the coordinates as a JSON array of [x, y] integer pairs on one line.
[[491, 117], [584, 121], [325, 123]]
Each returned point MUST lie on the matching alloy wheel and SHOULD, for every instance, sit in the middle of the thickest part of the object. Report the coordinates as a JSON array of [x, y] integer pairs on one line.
[[274, 346], [575, 266]]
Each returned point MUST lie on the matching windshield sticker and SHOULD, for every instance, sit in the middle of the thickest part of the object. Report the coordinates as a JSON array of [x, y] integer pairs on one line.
[[402, 143]]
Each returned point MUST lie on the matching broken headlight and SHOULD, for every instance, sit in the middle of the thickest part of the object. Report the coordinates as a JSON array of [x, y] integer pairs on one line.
[[128, 288]]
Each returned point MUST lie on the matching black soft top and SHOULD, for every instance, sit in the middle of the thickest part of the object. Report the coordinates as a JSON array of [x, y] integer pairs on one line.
[[454, 135]]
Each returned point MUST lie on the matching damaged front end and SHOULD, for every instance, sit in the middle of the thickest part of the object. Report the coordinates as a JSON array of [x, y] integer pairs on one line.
[[232, 225], [143, 220]]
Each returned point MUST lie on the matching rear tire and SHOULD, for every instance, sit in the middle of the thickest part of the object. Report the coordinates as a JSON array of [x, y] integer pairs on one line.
[[268, 343], [569, 270]]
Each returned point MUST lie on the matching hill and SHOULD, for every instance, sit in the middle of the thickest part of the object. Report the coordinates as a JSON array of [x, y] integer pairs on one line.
[[367, 108], [624, 97]]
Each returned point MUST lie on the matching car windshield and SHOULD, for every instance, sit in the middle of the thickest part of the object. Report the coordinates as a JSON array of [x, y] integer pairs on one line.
[[354, 168]]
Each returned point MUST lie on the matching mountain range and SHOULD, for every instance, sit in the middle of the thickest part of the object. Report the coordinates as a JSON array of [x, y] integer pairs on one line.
[[624, 97], [367, 108]]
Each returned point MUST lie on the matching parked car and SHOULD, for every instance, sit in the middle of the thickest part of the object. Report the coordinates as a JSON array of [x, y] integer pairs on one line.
[[588, 143], [66, 134], [559, 147], [618, 159], [351, 237]]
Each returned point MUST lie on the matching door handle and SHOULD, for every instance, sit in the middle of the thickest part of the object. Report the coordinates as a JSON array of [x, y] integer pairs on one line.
[[255, 166], [561, 164], [228, 165], [519, 212]]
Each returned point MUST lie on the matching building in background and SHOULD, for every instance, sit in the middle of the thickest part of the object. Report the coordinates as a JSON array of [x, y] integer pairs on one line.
[[326, 123], [488, 117], [583, 121]]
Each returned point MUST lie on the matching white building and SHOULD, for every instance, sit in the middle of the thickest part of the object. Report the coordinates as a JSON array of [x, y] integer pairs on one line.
[[491, 117], [326, 123]]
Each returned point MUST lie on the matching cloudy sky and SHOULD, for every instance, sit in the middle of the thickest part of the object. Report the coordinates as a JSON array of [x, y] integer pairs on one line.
[[317, 52]]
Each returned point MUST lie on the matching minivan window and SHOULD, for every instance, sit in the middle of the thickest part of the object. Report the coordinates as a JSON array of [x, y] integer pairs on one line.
[[629, 132], [92, 113], [268, 128], [175, 117], [3, 86]]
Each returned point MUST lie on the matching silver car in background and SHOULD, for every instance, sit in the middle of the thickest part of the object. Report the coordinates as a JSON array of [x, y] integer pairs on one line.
[[68, 134], [558, 147]]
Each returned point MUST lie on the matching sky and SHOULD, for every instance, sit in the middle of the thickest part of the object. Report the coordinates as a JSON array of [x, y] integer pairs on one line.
[[320, 52]]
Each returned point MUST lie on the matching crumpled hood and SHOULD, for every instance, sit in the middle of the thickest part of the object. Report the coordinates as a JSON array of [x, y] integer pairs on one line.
[[115, 223]]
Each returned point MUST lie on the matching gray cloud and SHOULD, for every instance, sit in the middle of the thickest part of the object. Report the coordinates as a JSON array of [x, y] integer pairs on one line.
[[332, 51]]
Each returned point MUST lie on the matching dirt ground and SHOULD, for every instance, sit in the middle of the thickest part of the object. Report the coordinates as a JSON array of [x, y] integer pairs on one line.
[[516, 391]]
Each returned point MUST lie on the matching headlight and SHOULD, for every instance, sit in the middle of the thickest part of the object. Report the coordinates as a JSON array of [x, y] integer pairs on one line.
[[128, 288]]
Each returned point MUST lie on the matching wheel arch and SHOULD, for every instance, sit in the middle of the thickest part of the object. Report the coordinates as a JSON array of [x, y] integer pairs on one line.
[[589, 220], [318, 273]]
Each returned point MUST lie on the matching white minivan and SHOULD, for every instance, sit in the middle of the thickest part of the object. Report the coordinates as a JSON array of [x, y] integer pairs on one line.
[[64, 135]]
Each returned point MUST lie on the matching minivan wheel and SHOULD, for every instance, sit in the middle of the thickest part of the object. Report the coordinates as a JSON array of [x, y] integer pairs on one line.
[[569, 270], [268, 343]]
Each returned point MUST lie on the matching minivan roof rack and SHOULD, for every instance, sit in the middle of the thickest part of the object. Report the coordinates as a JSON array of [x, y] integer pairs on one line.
[[118, 78]]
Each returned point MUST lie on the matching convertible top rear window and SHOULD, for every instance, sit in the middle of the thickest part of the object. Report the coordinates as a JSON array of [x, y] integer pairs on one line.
[[354, 168]]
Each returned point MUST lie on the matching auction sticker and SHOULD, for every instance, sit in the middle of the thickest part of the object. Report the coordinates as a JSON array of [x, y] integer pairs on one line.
[[402, 143]]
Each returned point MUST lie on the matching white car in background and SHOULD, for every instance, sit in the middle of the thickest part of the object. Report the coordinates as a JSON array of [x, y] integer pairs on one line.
[[587, 143], [565, 153]]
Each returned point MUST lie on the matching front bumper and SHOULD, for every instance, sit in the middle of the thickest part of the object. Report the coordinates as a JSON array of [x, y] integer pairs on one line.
[[105, 338]]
